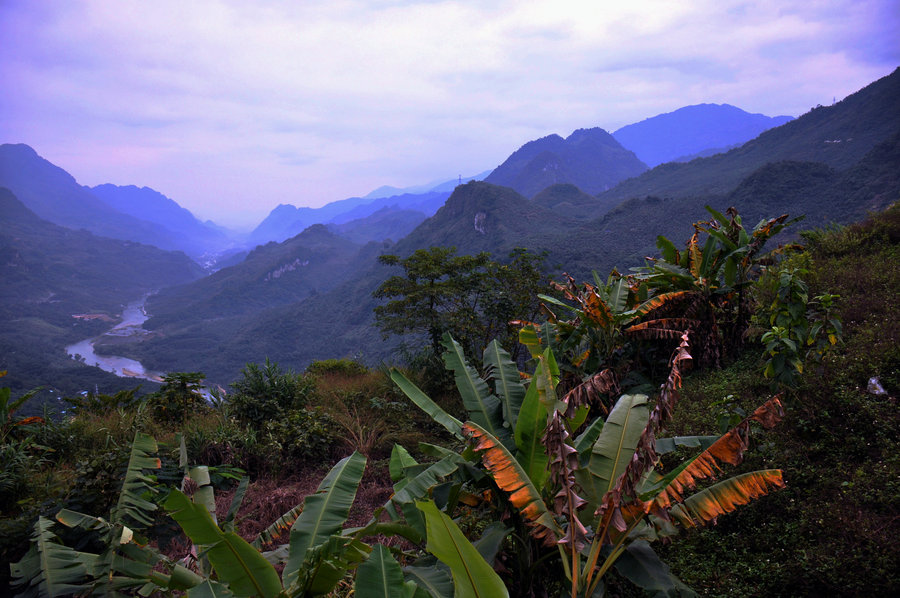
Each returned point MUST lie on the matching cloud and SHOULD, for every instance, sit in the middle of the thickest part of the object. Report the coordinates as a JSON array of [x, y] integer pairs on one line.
[[231, 107]]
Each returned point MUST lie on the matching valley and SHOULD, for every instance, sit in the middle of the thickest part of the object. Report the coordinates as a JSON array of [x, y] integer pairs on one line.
[[313, 363], [130, 325], [313, 271]]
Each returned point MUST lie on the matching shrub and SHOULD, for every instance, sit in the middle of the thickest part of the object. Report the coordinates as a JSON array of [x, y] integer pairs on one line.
[[346, 367], [267, 393]]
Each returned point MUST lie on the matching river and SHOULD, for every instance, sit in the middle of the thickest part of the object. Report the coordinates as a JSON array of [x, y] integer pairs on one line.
[[133, 316]]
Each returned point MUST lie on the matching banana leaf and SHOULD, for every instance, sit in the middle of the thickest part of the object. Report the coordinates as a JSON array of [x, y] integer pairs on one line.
[[435, 580], [509, 475], [641, 566], [381, 577], [132, 508], [424, 402], [584, 442], [417, 486], [237, 564], [507, 384], [530, 427], [613, 449], [277, 527], [210, 589], [400, 460], [726, 496], [472, 575], [50, 568], [324, 512], [667, 445], [484, 408]]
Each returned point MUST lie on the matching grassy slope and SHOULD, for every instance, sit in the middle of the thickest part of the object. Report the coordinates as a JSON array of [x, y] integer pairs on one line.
[[833, 529]]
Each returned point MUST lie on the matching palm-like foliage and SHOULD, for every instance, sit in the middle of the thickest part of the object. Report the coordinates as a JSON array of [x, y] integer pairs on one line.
[[713, 272], [126, 562], [596, 496]]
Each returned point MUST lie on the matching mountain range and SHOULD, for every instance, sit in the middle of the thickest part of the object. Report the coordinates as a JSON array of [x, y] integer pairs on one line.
[[62, 285], [832, 164], [590, 159], [788, 169], [693, 131]]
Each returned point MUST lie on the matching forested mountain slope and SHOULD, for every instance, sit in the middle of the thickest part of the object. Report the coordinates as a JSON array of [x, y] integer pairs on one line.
[[54, 195], [591, 159], [50, 274], [837, 136], [692, 130]]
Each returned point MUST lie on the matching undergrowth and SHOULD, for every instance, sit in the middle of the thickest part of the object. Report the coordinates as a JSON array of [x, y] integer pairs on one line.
[[832, 530]]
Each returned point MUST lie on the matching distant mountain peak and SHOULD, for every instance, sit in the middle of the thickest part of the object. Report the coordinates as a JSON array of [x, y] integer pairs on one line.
[[591, 159], [693, 129]]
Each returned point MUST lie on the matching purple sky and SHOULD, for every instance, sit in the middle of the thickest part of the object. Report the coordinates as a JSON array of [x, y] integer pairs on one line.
[[231, 108]]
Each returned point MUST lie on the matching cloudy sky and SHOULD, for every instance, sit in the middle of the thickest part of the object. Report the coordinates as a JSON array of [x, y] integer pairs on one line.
[[232, 107]]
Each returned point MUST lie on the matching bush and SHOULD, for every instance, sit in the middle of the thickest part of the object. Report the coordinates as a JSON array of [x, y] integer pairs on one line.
[[345, 367], [267, 393]]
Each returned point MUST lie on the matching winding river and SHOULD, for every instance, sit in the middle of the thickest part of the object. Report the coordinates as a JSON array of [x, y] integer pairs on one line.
[[133, 317]]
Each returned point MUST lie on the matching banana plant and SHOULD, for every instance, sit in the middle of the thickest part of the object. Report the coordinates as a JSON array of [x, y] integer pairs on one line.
[[126, 563], [713, 278], [318, 556], [604, 508], [596, 497]]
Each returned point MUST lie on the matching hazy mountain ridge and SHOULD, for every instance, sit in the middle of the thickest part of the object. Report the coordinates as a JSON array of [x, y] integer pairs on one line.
[[591, 159], [389, 223], [434, 186], [286, 220], [152, 206], [51, 273], [691, 130], [838, 136], [480, 216]]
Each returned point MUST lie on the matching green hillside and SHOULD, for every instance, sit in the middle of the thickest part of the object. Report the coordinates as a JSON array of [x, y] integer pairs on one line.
[[51, 273], [838, 136]]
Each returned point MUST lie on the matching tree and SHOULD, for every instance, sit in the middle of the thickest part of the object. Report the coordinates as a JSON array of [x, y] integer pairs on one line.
[[181, 393], [266, 393], [471, 296]]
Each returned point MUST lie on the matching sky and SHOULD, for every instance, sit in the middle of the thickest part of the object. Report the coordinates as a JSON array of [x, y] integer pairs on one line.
[[233, 107]]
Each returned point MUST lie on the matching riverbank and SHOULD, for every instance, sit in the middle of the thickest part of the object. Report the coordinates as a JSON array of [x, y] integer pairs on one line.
[[128, 327]]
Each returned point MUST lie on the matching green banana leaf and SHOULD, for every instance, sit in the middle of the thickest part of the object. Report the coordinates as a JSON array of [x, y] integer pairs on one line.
[[326, 564], [210, 589], [424, 402], [236, 500], [238, 564], [417, 487], [613, 449], [584, 442], [381, 577], [484, 408], [642, 567], [435, 580], [324, 512], [505, 375], [50, 568], [132, 508], [400, 460], [473, 577], [667, 445], [529, 430]]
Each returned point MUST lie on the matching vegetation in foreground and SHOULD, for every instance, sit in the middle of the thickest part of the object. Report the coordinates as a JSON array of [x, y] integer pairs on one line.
[[826, 531]]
